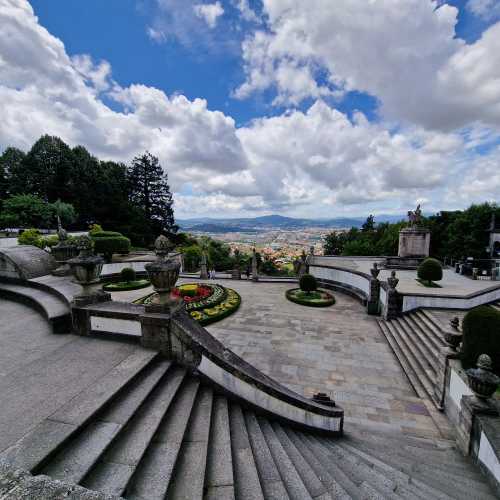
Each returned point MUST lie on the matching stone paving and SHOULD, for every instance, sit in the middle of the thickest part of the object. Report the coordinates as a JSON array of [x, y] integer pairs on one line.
[[41, 371], [338, 350]]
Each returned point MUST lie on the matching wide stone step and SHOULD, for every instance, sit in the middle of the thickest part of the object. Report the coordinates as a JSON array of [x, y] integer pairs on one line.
[[115, 468], [36, 448], [407, 349], [414, 342], [332, 486], [293, 482], [354, 489], [55, 309], [411, 484], [219, 480], [246, 478], [311, 481], [427, 345], [403, 361], [272, 484], [435, 336], [77, 457], [190, 469], [154, 474], [433, 324]]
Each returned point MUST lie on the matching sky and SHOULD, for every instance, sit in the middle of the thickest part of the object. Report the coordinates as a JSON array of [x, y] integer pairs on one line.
[[317, 108]]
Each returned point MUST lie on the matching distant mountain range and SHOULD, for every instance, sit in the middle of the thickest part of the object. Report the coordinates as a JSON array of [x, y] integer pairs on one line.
[[253, 224]]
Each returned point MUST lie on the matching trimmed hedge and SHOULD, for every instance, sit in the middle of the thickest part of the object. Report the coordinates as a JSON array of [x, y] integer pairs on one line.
[[430, 270], [308, 283], [481, 335], [105, 234], [108, 245], [290, 295], [122, 286]]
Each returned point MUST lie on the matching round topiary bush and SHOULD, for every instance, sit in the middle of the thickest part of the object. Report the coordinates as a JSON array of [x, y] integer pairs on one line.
[[127, 274], [430, 270], [308, 283], [481, 335]]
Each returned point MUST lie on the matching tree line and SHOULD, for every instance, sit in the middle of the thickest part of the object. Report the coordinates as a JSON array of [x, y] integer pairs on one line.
[[54, 179], [454, 235]]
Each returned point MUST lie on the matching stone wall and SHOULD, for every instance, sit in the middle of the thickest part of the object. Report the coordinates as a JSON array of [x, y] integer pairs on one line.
[[25, 262]]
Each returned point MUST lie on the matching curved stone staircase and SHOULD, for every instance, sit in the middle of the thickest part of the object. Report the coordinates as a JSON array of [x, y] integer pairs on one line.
[[153, 430]]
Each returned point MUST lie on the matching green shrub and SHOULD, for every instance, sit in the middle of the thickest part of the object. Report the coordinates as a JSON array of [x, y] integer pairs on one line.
[[481, 335], [127, 274], [308, 283], [31, 237], [95, 228], [107, 246], [105, 234], [430, 270]]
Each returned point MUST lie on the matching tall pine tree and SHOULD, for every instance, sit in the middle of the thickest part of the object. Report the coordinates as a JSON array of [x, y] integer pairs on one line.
[[149, 191]]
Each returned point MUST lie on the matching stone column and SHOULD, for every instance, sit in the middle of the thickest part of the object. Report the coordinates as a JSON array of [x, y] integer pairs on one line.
[[392, 309], [373, 303]]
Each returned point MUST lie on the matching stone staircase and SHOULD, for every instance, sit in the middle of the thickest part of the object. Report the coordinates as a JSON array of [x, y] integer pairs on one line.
[[51, 305], [416, 339], [153, 430]]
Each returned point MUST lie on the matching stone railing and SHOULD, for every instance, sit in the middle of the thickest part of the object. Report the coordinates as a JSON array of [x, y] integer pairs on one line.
[[476, 421], [181, 338]]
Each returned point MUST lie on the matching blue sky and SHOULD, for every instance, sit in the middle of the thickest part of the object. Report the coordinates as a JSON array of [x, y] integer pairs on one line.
[[311, 108]]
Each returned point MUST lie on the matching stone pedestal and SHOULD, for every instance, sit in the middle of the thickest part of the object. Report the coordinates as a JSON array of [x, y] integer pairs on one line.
[[444, 356], [472, 407], [414, 242], [373, 303], [236, 274]]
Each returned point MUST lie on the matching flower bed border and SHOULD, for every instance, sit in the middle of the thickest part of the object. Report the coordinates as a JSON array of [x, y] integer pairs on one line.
[[303, 302]]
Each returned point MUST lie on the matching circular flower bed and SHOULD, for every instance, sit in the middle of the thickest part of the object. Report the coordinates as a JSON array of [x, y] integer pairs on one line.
[[205, 303], [122, 286], [318, 298]]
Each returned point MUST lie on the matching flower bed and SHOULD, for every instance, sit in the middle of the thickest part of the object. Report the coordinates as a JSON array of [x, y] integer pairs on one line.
[[318, 298], [122, 286], [205, 303]]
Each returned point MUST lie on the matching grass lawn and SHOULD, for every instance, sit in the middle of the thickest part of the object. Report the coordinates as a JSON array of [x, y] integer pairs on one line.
[[427, 284]]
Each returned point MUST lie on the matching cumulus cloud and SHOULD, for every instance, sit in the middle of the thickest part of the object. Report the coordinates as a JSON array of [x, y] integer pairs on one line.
[[247, 13], [315, 161], [209, 12], [485, 9], [404, 53]]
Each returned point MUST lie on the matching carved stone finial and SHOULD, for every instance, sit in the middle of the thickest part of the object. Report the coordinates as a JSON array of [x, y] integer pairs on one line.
[[162, 246], [484, 362], [62, 234], [455, 323]]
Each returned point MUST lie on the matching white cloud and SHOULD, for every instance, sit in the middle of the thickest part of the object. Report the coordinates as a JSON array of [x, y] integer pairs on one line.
[[209, 12], [405, 53], [317, 161], [247, 13], [485, 9]]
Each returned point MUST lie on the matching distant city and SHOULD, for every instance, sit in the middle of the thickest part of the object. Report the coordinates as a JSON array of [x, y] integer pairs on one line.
[[274, 236]]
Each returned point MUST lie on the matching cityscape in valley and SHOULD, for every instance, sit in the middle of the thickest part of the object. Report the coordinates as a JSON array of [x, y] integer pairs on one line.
[[250, 250]]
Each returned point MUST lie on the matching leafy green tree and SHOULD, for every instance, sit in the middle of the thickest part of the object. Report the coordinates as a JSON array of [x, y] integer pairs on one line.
[[65, 211], [11, 162], [369, 224], [45, 171], [192, 257], [149, 190], [26, 210]]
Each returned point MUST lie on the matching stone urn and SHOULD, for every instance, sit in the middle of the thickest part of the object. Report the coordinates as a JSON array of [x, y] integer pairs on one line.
[[453, 338], [482, 380], [164, 272], [86, 267], [63, 251]]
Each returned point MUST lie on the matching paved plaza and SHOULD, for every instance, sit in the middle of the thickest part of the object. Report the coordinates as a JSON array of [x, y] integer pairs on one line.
[[338, 350]]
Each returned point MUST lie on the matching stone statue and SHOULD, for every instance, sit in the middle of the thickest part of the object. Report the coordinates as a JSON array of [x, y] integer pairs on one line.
[[415, 217], [62, 234], [393, 281]]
